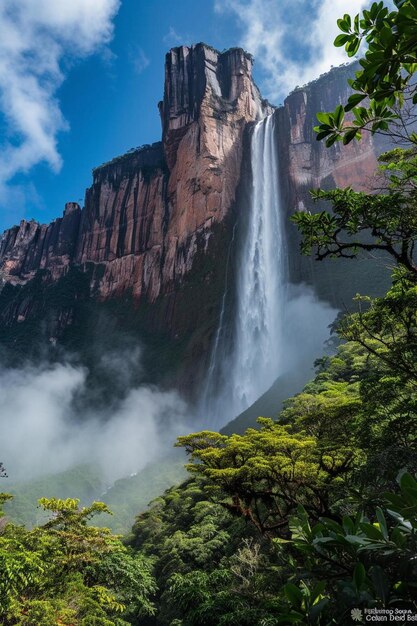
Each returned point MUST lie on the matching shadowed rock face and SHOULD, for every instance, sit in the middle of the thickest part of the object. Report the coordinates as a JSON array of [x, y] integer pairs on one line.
[[306, 164], [123, 223], [209, 99], [157, 222]]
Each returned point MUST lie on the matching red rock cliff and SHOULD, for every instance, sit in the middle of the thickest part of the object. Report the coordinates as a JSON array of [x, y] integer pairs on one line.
[[306, 164], [148, 212], [157, 222]]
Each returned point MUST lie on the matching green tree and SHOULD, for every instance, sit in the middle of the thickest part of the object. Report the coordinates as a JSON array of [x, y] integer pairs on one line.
[[70, 573], [386, 222], [263, 475], [384, 84], [359, 561]]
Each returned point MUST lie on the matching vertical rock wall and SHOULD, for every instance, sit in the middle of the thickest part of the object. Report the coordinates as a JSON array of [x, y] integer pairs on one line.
[[30, 247], [157, 223], [149, 212], [306, 164]]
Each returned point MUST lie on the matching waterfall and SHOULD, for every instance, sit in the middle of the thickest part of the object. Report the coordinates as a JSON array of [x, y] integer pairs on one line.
[[256, 358]]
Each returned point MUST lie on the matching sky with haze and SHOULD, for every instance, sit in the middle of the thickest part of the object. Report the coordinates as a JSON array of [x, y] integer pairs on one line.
[[80, 79]]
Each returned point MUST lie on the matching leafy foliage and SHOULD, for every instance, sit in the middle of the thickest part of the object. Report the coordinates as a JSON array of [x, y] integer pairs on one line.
[[385, 82], [308, 516], [301, 520], [267, 473], [374, 558], [67, 572], [384, 222]]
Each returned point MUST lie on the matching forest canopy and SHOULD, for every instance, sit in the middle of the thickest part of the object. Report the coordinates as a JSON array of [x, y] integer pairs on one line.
[[311, 517]]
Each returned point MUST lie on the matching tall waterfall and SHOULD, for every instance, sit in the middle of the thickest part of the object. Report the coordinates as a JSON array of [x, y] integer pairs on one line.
[[236, 380], [257, 357]]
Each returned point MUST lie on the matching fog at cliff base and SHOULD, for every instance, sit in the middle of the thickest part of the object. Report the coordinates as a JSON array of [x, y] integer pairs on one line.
[[44, 432]]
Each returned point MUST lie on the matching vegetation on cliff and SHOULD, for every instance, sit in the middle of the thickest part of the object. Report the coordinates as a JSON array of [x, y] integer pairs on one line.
[[304, 519], [315, 513], [309, 518]]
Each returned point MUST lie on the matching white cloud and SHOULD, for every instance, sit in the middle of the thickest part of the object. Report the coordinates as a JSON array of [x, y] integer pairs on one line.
[[291, 40], [138, 59], [174, 38], [38, 40]]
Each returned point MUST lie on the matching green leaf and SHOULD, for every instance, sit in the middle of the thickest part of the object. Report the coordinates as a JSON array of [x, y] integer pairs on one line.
[[343, 25], [408, 483], [398, 538], [380, 582], [331, 524], [354, 100], [361, 114], [348, 525], [322, 134], [339, 115], [341, 40], [317, 591], [355, 540], [356, 24], [293, 594], [349, 136], [382, 523], [324, 118], [332, 140], [385, 36], [359, 575], [353, 46], [317, 609], [372, 532]]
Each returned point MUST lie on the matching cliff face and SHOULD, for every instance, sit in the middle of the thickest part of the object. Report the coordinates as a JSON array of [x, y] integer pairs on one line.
[[29, 247], [148, 213], [209, 99], [306, 164], [123, 224], [157, 222]]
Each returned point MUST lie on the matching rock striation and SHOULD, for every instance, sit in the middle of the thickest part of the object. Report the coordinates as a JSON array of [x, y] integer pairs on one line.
[[30, 247], [149, 212], [307, 163], [158, 222]]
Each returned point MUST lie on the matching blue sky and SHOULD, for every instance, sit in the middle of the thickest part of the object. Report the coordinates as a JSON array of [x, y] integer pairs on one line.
[[80, 81]]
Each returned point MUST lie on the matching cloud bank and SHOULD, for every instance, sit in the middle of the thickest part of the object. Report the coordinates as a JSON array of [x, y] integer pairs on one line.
[[291, 40], [38, 41], [42, 432]]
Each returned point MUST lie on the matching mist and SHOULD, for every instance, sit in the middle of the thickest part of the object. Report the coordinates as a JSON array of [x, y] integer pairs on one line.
[[49, 424], [304, 331], [45, 431], [306, 322]]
